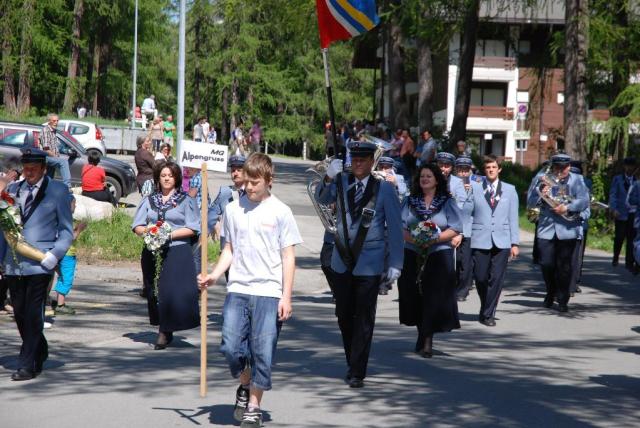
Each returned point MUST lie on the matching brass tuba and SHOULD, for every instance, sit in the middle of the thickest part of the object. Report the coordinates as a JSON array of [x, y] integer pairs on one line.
[[326, 213], [556, 196]]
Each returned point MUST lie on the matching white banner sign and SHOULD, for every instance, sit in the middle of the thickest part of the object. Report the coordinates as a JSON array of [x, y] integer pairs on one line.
[[192, 154]]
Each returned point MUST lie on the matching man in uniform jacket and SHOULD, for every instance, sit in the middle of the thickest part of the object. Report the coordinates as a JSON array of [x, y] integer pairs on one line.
[[445, 162], [623, 213], [495, 236], [369, 229], [462, 242], [45, 210], [559, 229]]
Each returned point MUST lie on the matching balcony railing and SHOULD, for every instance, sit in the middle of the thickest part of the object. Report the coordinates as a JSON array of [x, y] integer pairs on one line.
[[599, 114], [491, 112], [506, 63]]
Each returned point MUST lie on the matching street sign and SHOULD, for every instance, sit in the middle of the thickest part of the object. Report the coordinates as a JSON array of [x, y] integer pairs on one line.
[[521, 135], [523, 108], [193, 154]]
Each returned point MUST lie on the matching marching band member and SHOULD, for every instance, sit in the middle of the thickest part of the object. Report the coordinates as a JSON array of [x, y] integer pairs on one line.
[[578, 254], [385, 166], [462, 242], [559, 227], [445, 162], [624, 214], [495, 236], [368, 225], [45, 212]]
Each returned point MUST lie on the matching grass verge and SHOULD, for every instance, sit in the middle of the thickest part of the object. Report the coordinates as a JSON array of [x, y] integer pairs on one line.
[[595, 240], [111, 240]]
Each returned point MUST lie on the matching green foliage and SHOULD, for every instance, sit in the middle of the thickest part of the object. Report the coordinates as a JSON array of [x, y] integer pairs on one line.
[[112, 240]]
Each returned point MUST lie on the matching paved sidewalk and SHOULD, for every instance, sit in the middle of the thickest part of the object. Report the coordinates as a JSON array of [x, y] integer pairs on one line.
[[537, 367]]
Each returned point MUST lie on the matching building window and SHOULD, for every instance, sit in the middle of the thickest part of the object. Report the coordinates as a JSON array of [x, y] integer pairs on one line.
[[521, 145], [488, 94], [491, 48], [524, 47]]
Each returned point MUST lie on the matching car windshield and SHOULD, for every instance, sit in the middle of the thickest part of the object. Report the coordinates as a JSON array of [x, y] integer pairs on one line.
[[67, 140]]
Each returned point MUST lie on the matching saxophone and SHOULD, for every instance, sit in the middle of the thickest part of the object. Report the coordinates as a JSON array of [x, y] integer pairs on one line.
[[326, 213]]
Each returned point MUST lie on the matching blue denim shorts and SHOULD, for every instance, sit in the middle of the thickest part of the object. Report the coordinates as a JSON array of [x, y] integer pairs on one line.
[[250, 330]]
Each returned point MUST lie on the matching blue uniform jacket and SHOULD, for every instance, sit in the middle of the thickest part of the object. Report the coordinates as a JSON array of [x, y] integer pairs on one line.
[[48, 228], [633, 199], [498, 226], [550, 223], [384, 240], [618, 197]]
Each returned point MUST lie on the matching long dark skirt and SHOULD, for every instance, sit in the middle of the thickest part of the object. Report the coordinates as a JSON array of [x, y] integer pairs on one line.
[[177, 305], [432, 307]]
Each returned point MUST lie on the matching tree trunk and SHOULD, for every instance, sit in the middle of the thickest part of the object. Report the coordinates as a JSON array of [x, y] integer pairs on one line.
[[234, 104], [225, 134], [465, 73], [8, 66], [71, 89], [398, 108], [425, 85], [26, 61], [96, 77], [621, 68], [575, 77]]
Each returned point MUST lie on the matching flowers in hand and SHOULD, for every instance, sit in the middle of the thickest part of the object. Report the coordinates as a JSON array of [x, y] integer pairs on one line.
[[157, 235], [425, 233]]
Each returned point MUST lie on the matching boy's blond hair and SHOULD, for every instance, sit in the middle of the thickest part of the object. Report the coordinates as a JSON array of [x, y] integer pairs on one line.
[[258, 165]]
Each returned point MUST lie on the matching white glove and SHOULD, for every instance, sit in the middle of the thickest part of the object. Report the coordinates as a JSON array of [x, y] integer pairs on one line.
[[49, 262], [335, 168], [392, 274]]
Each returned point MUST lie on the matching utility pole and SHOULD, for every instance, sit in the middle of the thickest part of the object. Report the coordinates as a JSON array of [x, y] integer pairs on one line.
[[181, 67], [135, 68]]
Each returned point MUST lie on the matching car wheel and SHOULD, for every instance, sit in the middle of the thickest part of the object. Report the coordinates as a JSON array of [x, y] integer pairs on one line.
[[96, 151], [114, 187]]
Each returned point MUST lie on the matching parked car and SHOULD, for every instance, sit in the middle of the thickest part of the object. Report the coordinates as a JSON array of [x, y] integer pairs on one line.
[[86, 133], [121, 178]]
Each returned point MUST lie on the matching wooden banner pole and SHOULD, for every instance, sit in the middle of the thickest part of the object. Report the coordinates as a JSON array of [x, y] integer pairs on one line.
[[204, 236]]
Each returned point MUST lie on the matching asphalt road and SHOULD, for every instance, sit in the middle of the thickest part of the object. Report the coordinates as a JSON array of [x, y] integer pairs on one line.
[[536, 368]]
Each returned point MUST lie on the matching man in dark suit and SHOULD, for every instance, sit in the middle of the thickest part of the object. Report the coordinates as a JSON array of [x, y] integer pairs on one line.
[[369, 230], [45, 210]]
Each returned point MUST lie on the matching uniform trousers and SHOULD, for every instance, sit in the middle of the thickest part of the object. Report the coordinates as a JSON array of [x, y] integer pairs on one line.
[[624, 230], [28, 297], [356, 302], [325, 264], [489, 267], [578, 257], [556, 261], [464, 267]]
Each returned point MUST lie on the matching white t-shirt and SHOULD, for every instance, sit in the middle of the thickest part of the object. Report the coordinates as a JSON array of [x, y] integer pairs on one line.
[[257, 233]]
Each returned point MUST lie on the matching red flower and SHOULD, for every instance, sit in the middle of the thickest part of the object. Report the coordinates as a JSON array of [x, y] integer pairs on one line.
[[159, 223], [7, 197], [153, 230]]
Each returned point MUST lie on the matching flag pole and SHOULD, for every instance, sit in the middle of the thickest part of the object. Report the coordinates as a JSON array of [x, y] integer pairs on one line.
[[332, 114], [204, 236]]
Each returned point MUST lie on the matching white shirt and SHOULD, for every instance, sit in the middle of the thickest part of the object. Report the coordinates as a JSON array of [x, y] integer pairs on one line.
[[493, 187], [257, 233], [148, 104], [364, 182]]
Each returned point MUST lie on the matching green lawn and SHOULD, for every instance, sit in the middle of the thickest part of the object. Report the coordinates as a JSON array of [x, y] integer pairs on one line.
[[598, 241], [112, 240]]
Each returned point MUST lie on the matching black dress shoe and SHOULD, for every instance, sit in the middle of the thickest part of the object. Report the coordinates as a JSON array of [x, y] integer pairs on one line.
[[356, 382], [489, 322], [548, 302], [614, 263], [164, 339], [563, 308], [23, 374]]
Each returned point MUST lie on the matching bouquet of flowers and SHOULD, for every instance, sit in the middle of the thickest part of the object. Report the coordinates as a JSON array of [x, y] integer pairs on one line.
[[11, 227], [424, 233], [155, 238]]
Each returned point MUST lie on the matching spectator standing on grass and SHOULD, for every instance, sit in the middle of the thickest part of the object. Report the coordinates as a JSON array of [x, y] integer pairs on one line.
[[67, 270], [198, 131], [156, 132], [212, 136], [169, 131], [255, 136], [144, 164], [49, 143], [94, 180], [205, 129]]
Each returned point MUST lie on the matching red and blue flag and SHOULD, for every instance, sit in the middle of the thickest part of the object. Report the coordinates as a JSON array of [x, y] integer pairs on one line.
[[344, 19]]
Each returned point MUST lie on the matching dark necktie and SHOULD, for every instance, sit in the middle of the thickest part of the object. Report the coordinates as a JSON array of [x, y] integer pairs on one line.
[[357, 197], [492, 192], [29, 201]]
